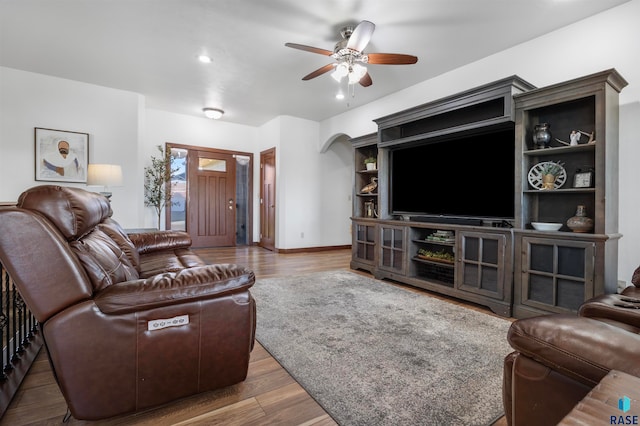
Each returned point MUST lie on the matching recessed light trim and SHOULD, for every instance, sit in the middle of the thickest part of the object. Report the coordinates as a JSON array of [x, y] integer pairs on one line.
[[204, 59]]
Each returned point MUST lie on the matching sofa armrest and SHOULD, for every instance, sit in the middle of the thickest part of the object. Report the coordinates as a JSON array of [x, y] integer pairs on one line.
[[582, 348], [172, 288], [616, 307], [147, 242]]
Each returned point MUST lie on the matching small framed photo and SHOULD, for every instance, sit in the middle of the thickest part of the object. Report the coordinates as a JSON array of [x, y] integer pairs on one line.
[[61, 156], [583, 179]]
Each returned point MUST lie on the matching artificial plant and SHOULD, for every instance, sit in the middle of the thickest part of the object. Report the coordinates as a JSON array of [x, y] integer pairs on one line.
[[157, 182]]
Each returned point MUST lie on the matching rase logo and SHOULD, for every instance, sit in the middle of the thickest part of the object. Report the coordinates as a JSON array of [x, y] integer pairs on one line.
[[624, 405]]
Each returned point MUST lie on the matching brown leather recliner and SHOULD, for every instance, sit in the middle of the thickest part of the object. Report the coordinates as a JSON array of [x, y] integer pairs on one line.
[[129, 321], [559, 358]]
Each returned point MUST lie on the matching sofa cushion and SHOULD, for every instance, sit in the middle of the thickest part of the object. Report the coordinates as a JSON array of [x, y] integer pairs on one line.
[[149, 242], [74, 211], [104, 261], [173, 260], [120, 237]]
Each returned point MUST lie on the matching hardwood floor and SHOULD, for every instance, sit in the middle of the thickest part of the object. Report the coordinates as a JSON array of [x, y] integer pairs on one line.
[[268, 396]]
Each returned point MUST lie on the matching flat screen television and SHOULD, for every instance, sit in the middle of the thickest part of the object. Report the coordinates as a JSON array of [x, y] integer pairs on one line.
[[468, 176]]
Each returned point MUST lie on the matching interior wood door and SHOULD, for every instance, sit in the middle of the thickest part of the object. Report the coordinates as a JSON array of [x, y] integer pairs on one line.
[[268, 199], [212, 204]]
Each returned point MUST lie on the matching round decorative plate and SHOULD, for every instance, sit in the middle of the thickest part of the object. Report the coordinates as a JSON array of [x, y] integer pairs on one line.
[[535, 175]]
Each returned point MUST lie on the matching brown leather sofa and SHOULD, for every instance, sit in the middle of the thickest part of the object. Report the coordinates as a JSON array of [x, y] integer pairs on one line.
[[559, 358], [129, 321]]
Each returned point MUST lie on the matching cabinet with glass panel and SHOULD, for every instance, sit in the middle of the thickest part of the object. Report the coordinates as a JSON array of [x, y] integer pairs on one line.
[[574, 125]]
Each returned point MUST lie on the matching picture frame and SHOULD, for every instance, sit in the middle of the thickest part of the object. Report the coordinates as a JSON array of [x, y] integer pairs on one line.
[[61, 155], [584, 179]]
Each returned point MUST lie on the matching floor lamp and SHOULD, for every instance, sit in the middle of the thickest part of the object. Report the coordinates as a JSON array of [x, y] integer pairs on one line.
[[105, 175]]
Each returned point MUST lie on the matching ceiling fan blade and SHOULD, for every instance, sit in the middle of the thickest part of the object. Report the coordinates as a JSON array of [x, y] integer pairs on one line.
[[310, 49], [366, 80], [361, 36], [391, 59], [319, 71]]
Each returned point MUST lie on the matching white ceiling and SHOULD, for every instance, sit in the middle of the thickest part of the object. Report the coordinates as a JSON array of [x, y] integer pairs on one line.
[[151, 46]]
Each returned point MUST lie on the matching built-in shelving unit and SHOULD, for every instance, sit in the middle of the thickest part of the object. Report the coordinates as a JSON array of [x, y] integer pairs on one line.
[[365, 147], [505, 265], [557, 271]]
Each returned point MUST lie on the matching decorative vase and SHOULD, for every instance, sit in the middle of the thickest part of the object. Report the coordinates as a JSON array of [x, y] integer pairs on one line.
[[542, 135], [548, 181], [580, 222]]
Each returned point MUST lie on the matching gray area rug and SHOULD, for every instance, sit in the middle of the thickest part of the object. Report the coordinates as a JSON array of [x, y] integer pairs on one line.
[[375, 354]]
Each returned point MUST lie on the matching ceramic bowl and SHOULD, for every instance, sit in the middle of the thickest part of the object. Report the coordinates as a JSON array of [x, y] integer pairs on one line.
[[546, 226]]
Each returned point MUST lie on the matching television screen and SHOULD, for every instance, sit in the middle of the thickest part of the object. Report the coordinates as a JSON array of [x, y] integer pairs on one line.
[[470, 176]]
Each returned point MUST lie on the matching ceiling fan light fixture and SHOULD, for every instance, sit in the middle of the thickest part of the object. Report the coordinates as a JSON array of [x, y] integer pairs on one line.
[[342, 69], [356, 72], [349, 55], [214, 113]]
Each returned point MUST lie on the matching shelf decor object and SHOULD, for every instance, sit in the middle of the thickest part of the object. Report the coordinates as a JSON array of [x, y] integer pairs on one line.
[[580, 222], [583, 178], [370, 187], [370, 163], [544, 226], [542, 135], [370, 209], [538, 175]]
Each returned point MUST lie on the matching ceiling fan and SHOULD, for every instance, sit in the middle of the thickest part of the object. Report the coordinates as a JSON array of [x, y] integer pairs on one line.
[[349, 56]]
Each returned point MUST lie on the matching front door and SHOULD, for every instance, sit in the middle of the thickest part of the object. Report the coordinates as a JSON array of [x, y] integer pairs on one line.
[[212, 204], [268, 199]]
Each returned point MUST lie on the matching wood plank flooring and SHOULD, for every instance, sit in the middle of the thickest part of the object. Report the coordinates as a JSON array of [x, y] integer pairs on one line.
[[269, 395]]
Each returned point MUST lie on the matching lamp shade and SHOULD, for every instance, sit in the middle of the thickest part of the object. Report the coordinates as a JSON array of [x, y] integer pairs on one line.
[[104, 175]]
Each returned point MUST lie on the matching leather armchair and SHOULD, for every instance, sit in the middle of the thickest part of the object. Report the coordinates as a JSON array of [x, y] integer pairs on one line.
[[559, 358], [129, 321]]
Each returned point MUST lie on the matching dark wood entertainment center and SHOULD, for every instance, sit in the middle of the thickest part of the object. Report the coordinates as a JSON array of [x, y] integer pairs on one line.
[[500, 262]]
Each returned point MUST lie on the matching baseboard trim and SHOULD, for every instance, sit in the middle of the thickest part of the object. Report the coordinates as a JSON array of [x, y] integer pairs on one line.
[[312, 249]]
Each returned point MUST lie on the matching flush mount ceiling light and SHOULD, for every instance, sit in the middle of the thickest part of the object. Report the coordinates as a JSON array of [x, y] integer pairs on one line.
[[204, 59], [214, 113]]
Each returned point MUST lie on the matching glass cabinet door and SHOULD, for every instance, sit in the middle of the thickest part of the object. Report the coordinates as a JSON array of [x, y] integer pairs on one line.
[[557, 275], [364, 242], [481, 263], [392, 248]]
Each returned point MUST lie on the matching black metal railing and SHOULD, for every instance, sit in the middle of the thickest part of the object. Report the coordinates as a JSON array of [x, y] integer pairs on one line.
[[20, 339]]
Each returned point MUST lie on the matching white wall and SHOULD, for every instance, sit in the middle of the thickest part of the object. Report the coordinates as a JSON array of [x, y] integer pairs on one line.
[[111, 117], [607, 40], [314, 187]]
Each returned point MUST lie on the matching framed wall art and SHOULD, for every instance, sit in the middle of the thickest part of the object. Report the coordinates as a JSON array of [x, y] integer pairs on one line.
[[61, 156]]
